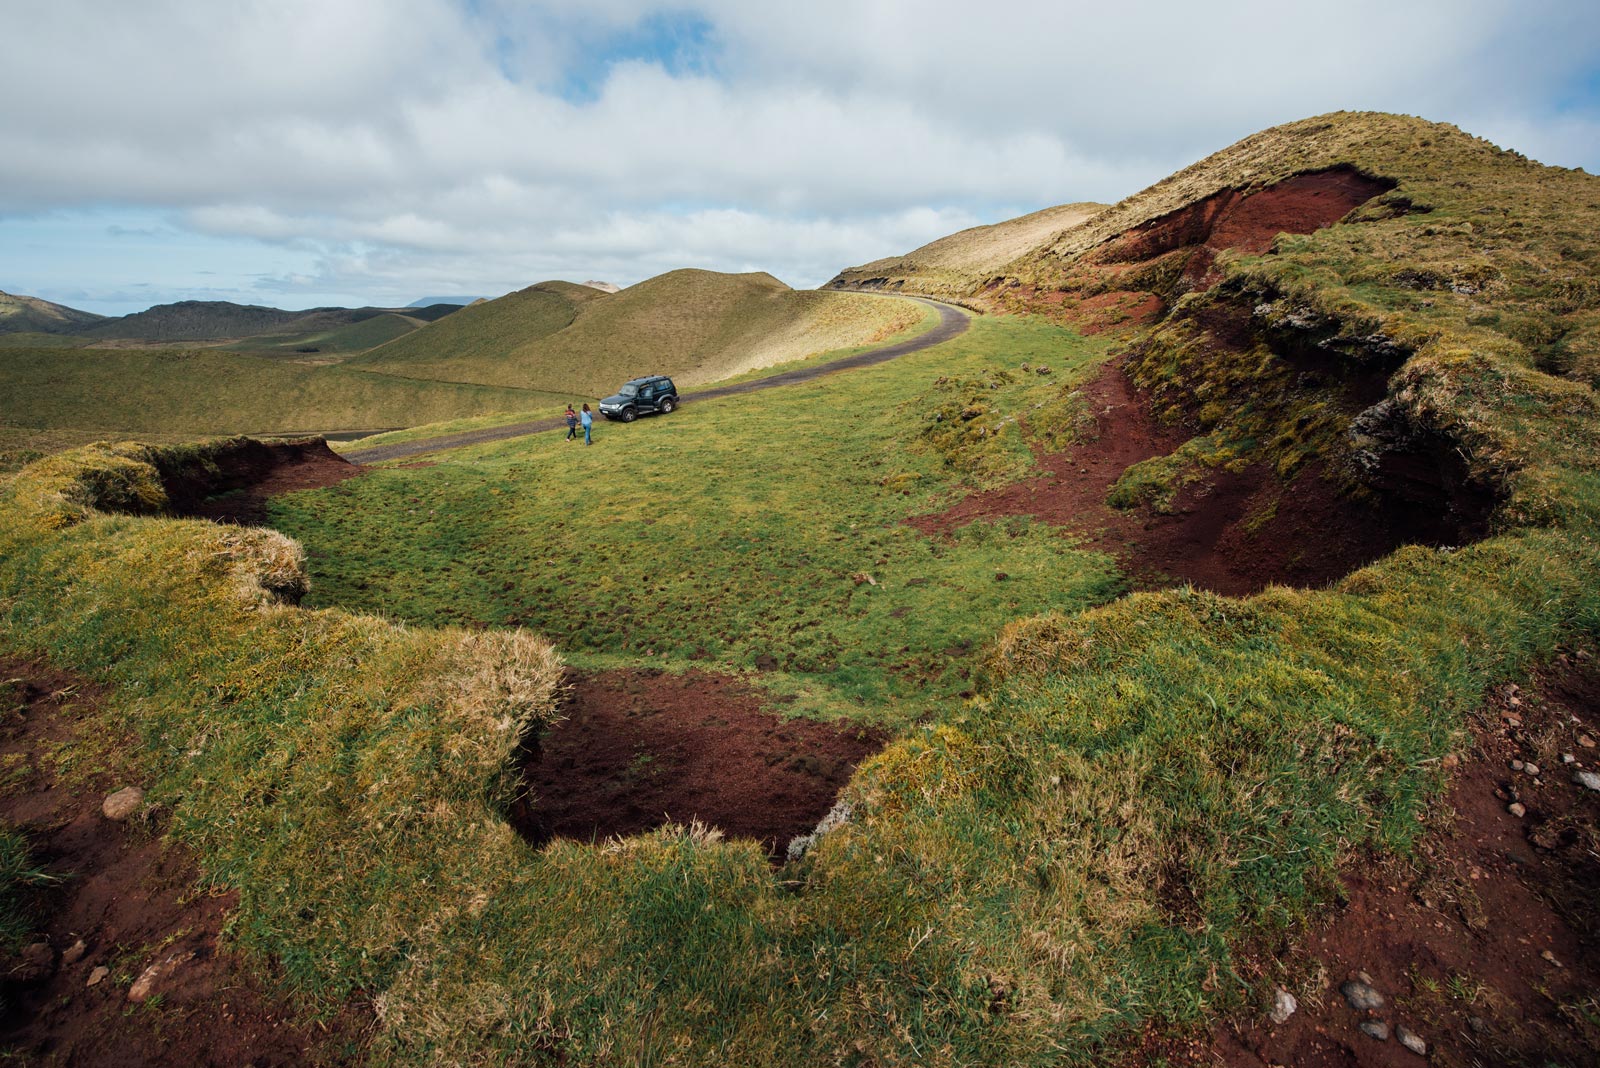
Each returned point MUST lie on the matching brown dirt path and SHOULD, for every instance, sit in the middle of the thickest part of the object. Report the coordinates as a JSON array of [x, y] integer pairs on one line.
[[134, 901], [640, 748], [952, 322]]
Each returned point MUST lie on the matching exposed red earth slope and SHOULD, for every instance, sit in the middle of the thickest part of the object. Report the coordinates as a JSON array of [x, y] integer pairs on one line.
[[123, 903]]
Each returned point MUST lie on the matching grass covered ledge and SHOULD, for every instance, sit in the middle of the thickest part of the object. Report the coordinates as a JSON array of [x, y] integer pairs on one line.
[[337, 770], [1140, 790]]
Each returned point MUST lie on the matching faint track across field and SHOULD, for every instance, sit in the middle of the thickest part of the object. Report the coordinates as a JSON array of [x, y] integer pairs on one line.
[[952, 323]]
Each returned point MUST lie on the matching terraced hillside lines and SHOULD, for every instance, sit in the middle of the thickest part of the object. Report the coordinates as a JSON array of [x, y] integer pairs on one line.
[[947, 266], [952, 323]]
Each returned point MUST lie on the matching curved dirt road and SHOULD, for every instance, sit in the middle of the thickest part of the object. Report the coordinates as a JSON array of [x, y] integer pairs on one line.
[[952, 322]]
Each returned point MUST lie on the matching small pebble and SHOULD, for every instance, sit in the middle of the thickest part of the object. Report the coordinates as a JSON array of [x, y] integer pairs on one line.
[[74, 953], [1516, 765], [1586, 741], [1376, 1029], [97, 975], [1517, 809], [1361, 996], [1587, 779], [1411, 1040], [1568, 758], [1531, 769], [1551, 957], [1283, 1006]]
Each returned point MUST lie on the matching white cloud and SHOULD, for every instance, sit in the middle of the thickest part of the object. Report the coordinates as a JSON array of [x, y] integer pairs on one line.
[[389, 141]]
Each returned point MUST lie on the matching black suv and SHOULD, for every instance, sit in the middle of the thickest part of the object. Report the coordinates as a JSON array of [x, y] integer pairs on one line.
[[641, 396]]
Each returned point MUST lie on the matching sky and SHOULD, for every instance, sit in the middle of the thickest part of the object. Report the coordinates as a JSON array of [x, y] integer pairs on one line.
[[298, 153]]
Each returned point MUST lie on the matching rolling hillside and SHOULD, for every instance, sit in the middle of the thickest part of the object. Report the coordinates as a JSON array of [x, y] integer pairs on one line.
[[220, 320], [20, 315], [698, 326], [469, 345], [1098, 823], [947, 267]]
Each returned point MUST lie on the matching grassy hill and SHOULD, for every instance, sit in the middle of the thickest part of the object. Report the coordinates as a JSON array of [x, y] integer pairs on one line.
[[336, 342], [1098, 819], [31, 315], [948, 266], [698, 326], [471, 343], [205, 391], [220, 320]]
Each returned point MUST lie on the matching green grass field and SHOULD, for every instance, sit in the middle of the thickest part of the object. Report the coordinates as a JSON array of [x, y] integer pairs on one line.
[[1137, 794], [729, 531], [339, 342], [132, 392]]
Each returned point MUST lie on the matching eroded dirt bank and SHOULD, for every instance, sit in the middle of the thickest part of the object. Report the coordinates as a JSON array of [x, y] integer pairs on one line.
[[641, 747], [1485, 946], [236, 487], [117, 902], [1233, 532], [1133, 278]]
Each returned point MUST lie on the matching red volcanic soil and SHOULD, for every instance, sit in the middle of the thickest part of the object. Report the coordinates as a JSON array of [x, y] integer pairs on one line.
[[237, 488], [134, 902], [640, 748], [1112, 286], [1486, 944], [1245, 221], [1235, 533]]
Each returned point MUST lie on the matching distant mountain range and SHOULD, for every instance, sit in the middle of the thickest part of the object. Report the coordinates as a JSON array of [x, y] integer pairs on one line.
[[199, 320]]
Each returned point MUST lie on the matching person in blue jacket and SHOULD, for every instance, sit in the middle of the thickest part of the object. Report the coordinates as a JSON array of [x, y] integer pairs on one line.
[[587, 419]]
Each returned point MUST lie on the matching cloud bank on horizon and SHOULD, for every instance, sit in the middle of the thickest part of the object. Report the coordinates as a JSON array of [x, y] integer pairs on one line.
[[304, 152]]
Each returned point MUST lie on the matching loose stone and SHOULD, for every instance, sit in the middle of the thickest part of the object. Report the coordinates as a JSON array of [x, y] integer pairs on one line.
[[1587, 779], [97, 975], [74, 953], [1376, 1029], [1517, 809], [1411, 1041], [1283, 1006], [123, 803], [1361, 996]]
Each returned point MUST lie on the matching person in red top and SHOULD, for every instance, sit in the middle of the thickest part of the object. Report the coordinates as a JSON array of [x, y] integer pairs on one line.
[[572, 423]]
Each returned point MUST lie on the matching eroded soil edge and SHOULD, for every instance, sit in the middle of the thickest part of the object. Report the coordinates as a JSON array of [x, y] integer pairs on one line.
[[118, 900], [640, 748]]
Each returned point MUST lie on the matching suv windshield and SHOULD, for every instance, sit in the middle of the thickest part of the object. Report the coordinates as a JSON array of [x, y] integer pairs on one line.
[[629, 390]]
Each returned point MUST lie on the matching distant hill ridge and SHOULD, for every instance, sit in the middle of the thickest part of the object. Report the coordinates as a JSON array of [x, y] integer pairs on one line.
[[698, 326], [19, 314], [202, 320]]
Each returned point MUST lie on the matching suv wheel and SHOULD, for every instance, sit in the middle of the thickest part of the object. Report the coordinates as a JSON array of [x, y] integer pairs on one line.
[[667, 405], [628, 415]]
